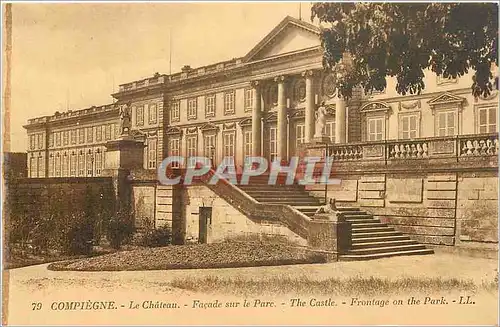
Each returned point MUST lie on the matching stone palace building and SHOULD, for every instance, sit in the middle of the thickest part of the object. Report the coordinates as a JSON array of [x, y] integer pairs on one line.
[[264, 104]]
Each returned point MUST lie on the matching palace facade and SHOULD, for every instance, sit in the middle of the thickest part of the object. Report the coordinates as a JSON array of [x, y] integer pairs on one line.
[[261, 104]]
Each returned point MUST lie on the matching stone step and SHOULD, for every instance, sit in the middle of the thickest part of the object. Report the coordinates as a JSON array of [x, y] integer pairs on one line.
[[279, 195], [375, 234], [380, 239], [384, 249], [355, 257], [359, 214], [347, 208], [252, 187], [371, 229], [368, 223], [379, 244], [362, 220], [289, 202]]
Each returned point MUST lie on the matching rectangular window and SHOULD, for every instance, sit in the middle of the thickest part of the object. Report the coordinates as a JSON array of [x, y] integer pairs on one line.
[[300, 134], [72, 164], [408, 127], [487, 120], [51, 140], [273, 145], [107, 132], [58, 138], [51, 165], [58, 165], [40, 141], [81, 164], [117, 131], [209, 147], [65, 165], [90, 163], [152, 113], [247, 140], [73, 136], [330, 130], [98, 134], [139, 115], [65, 137], [192, 108], [41, 166], [191, 147], [152, 153], [32, 141], [81, 136], [90, 135], [446, 123], [375, 129], [175, 111], [248, 99], [210, 106], [229, 103], [228, 144], [98, 162], [175, 150], [33, 170]]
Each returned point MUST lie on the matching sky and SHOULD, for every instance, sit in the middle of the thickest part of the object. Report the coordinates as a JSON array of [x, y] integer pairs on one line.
[[73, 55]]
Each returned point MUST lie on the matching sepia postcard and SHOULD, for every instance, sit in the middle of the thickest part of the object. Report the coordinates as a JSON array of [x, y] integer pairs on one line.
[[250, 163]]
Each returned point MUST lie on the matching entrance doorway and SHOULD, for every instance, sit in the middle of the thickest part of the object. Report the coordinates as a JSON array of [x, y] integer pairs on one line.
[[205, 220]]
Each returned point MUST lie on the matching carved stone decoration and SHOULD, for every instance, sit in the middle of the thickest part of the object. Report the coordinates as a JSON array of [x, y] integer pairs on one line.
[[173, 131], [410, 106], [330, 110], [272, 94], [446, 99], [299, 113], [125, 120], [245, 122], [329, 85], [271, 117], [492, 96], [192, 130], [299, 90], [209, 127], [229, 126], [375, 107]]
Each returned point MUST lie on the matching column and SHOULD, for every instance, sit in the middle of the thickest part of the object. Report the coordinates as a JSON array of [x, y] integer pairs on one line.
[[309, 112], [282, 119], [340, 113], [256, 120]]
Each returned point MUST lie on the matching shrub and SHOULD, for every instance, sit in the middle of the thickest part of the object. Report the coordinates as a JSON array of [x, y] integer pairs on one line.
[[161, 236], [119, 229]]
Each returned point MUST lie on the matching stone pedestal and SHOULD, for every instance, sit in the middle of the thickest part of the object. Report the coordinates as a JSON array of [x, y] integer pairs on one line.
[[124, 153], [320, 139], [330, 233]]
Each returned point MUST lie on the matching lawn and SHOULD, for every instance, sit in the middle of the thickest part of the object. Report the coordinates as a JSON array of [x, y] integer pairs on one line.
[[216, 255]]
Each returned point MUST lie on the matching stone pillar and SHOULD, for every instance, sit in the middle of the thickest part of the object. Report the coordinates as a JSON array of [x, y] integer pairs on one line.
[[256, 120], [282, 119], [122, 156], [340, 114], [309, 112]]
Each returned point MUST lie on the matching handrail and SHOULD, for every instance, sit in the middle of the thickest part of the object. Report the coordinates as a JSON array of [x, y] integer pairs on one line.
[[295, 220]]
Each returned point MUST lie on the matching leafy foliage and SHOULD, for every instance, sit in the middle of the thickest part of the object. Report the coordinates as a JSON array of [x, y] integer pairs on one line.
[[402, 40]]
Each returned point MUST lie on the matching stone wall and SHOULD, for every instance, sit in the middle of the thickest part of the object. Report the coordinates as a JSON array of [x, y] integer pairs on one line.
[[442, 208], [227, 222]]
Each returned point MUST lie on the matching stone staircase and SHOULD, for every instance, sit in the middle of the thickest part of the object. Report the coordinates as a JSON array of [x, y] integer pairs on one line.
[[371, 239]]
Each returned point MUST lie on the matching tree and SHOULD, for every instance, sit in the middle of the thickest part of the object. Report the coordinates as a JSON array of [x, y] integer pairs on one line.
[[402, 40]]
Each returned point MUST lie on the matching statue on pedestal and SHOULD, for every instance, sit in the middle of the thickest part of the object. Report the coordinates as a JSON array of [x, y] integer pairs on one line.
[[125, 120], [320, 121]]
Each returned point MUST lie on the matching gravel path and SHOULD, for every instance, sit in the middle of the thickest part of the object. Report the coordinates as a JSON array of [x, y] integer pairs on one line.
[[36, 283]]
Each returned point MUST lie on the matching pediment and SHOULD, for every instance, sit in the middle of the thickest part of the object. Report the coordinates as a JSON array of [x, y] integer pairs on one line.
[[209, 127], [271, 117], [289, 36], [445, 98], [246, 122], [173, 131], [375, 106]]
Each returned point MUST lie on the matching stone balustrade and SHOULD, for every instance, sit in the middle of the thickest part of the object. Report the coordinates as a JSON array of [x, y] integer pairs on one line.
[[458, 147]]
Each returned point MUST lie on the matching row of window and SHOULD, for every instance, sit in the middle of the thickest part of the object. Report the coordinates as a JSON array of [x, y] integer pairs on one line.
[[74, 164], [229, 142], [84, 135], [152, 110], [210, 105], [37, 141], [446, 124]]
